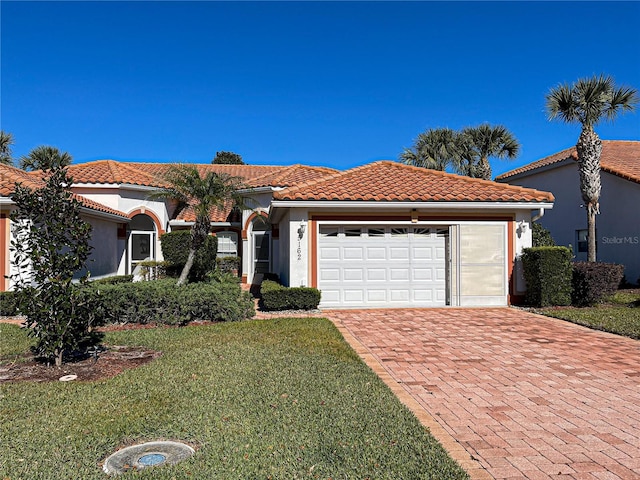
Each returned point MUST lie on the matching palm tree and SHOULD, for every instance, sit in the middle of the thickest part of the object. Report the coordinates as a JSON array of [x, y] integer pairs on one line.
[[203, 194], [587, 102], [6, 140], [435, 149], [480, 143], [45, 157]]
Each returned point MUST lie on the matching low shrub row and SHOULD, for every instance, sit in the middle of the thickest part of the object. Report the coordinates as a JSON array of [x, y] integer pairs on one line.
[[161, 302], [277, 297], [593, 281], [8, 304], [554, 280]]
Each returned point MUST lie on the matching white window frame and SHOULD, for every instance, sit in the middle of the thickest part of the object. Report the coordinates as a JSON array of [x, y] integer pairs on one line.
[[230, 238]]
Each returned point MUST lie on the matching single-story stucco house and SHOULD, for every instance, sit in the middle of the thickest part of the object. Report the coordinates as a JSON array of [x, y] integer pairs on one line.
[[617, 226], [379, 235]]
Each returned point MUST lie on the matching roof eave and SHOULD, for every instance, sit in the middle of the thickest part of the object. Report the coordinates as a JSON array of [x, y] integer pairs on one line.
[[106, 215], [421, 205]]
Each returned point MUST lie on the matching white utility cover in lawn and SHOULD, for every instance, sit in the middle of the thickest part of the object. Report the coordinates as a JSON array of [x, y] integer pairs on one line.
[[382, 266]]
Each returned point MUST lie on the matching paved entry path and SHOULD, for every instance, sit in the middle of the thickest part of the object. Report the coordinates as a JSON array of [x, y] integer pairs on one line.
[[510, 394]]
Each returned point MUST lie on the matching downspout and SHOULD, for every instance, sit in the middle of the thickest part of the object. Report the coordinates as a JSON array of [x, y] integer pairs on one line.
[[538, 216]]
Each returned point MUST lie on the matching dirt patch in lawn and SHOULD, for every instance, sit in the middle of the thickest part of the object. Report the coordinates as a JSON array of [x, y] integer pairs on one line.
[[108, 363]]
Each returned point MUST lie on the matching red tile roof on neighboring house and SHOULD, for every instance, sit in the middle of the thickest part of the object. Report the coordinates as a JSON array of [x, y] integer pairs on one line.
[[388, 181], [9, 176], [619, 157]]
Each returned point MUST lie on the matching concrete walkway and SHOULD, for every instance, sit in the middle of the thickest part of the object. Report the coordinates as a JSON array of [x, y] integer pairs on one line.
[[510, 394]]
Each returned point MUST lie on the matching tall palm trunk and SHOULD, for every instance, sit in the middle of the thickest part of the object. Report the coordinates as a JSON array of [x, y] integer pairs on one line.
[[199, 232], [483, 170], [589, 149]]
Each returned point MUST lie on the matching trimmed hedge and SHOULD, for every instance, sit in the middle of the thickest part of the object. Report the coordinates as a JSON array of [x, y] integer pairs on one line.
[[594, 281], [8, 304], [277, 297], [161, 302], [548, 273], [175, 250], [228, 264], [113, 280]]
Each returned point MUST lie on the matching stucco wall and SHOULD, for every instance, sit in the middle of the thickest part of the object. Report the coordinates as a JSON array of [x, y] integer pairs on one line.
[[107, 250], [617, 226]]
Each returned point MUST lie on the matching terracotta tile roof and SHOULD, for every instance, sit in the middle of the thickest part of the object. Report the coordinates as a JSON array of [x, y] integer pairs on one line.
[[9, 176], [619, 157], [289, 176], [388, 181], [92, 205], [150, 174], [215, 214]]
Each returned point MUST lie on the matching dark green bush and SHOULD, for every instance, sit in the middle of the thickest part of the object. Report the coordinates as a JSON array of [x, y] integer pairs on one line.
[[594, 281], [228, 264], [8, 304], [541, 237], [161, 302], [113, 280], [175, 250], [547, 271], [276, 297]]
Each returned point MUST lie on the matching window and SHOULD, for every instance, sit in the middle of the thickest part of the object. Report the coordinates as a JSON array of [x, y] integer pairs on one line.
[[399, 232], [582, 241], [421, 232], [329, 231], [227, 244], [375, 232], [352, 232]]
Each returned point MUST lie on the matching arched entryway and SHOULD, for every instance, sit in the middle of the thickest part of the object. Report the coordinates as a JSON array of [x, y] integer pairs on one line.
[[261, 233], [142, 240]]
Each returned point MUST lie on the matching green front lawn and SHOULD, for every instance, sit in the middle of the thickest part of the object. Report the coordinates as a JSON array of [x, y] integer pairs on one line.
[[620, 314], [281, 399]]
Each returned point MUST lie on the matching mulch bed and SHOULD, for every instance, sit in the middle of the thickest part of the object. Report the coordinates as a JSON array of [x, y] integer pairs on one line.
[[109, 363]]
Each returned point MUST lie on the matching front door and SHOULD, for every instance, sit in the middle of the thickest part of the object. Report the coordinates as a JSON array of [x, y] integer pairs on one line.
[[141, 247], [262, 252]]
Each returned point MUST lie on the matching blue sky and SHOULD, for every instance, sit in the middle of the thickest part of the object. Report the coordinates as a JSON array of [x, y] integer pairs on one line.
[[338, 84]]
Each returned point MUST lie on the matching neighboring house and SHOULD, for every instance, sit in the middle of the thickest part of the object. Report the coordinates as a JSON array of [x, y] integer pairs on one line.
[[380, 235], [617, 226]]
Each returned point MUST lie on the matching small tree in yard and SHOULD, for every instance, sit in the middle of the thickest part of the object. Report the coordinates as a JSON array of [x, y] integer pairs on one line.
[[204, 195], [50, 244]]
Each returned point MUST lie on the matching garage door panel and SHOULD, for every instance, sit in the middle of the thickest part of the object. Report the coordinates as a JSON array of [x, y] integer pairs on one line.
[[353, 296], [377, 274], [425, 274], [423, 253], [399, 253], [353, 274], [376, 253], [331, 296], [423, 295], [330, 274], [400, 295], [376, 295], [398, 268], [352, 253], [330, 253]]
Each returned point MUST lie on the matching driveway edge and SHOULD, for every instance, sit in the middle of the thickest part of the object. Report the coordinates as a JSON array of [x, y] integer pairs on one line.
[[453, 448]]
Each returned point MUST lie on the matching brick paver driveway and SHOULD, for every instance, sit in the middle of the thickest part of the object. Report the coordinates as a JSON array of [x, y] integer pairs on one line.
[[524, 395]]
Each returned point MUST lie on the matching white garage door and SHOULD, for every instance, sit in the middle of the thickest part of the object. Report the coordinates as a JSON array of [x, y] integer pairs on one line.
[[382, 266]]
